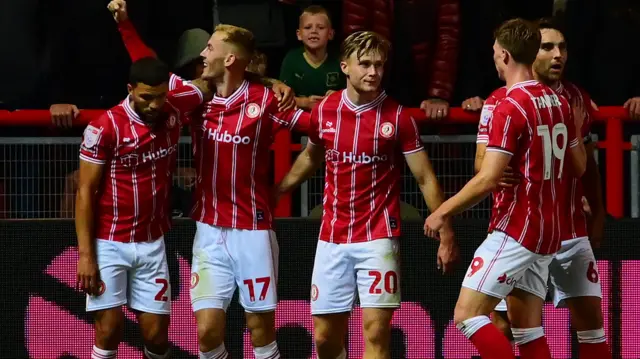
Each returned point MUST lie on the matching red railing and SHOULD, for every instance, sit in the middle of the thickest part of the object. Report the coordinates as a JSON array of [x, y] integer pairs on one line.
[[613, 142]]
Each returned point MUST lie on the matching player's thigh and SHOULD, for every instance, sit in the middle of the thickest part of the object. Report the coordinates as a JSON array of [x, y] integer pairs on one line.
[[212, 274], [109, 325], [524, 309], [377, 266], [330, 329], [574, 272], [586, 312], [498, 264], [262, 326], [333, 282], [376, 324], [114, 261], [255, 263], [149, 282]]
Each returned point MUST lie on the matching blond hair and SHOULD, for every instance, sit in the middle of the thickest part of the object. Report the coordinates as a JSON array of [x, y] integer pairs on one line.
[[364, 42], [240, 38]]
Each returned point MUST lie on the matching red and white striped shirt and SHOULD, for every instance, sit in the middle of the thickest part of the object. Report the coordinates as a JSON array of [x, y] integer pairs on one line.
[[577, 227], [535, 126], [486, 113], [235, 135], [364, 147], [139, 161]]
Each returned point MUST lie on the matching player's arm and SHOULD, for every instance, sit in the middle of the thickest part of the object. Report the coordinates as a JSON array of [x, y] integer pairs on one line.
[[285, 95], [577, 151], [481, 148], [97, 147], [305, 166], [136, 48], [90, 178], [480, 186], [307, 162], [592, 184]]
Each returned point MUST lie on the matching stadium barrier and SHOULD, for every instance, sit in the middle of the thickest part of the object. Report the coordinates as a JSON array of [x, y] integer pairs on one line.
[[613, 140], [43, 314]]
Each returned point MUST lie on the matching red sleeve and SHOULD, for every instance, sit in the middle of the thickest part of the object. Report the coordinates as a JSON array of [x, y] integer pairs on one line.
[[287, 119], [98, 140], [314, 126], [136, 48], [483, 125], [185, 98], [408, 133], [506, 125]]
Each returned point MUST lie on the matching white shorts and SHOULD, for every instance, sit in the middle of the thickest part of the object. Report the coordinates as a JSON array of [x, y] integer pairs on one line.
[[372, 268], [136, 274], [226, 258], [574, 272], [501, 263]]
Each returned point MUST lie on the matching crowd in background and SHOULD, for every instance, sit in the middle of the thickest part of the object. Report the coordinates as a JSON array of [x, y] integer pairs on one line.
[[68, 55], [69, 52]]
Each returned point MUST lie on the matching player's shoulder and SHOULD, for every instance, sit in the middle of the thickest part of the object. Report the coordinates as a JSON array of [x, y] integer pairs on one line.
[[572, 90], [260, 95], [497, 95], [331, 102]]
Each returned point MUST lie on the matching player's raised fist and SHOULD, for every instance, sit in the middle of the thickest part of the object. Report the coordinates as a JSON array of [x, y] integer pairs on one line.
[[119, 10]]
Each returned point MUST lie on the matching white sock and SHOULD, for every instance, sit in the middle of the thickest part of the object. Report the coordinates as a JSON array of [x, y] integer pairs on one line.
[[523, 336], [470, 326], [217, 353], [98, 353], [592, 336], [151, 355], [269, 351], [343, 354]]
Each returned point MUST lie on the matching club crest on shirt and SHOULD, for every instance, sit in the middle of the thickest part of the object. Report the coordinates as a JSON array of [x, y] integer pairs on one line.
[[253, 110], [487, 112], [91, 136], [171, 122], [387, 129]]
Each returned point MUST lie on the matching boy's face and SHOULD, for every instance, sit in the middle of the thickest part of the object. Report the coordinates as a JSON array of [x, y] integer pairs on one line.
[[315, 30]]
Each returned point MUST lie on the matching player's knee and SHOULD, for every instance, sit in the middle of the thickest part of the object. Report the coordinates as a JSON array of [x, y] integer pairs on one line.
[[156, 334], [210, 334], [586, 313], [109, 325], [461, 313], [376, 331], [327, 342], [262, 328], [501, 321]]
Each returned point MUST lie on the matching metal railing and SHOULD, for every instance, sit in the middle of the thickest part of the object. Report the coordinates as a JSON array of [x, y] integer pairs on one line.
[[33, 188]]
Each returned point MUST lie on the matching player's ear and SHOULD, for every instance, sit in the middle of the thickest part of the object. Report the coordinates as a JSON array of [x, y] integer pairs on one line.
[[229, 59], [344, 68], [130, 89]]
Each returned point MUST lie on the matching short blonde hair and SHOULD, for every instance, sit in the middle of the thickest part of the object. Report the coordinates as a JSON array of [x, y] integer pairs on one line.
[[241, 38], [364, 42]]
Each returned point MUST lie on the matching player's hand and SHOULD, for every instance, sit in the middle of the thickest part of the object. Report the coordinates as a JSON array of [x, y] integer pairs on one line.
[[118, 9], [433, 224], [473, 104], [63, 114], [579, 113], [435, 109], [633, 106], [284, 94], [509, 178], [88, 278], [448, 251]]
